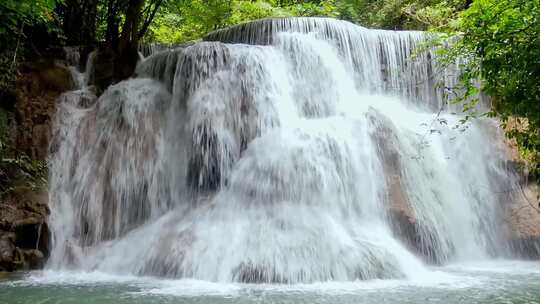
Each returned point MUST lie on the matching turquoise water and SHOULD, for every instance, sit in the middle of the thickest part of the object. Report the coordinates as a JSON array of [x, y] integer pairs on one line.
[[495, 282]]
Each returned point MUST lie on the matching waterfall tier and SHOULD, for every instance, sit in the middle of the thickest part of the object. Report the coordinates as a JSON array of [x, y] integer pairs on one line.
[[282, 150]]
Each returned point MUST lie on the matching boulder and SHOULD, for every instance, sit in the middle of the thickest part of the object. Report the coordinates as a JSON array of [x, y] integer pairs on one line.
[[56, 77], [31, 258], [401, 215], [523, 218], [7, 251], [103, 75], [24, 233]]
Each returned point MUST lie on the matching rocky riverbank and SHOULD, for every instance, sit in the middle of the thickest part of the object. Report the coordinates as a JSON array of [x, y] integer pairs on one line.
[[27, 111]]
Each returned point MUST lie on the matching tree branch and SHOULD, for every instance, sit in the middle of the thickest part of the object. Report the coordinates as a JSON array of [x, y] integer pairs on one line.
[[149, 19]]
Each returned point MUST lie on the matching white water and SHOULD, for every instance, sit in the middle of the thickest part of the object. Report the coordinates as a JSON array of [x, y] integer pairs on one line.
[[286, 159]]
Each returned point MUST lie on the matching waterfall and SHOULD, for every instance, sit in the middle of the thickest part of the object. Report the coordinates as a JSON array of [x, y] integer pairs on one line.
[[283, 150], [148, 49], [82, 75]]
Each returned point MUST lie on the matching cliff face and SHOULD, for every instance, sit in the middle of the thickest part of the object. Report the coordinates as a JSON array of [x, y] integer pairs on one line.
[[38, 87], [24, 233]]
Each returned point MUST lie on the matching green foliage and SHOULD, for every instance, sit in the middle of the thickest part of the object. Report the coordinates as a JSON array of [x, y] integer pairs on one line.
[[505, 36], [316, 8], [180, 21], [30, 173], [499, 37], [400, 14], [14, 14], [503, 39], [185, 20], [250, 10]]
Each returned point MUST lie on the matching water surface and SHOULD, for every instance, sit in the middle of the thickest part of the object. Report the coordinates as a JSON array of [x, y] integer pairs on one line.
[[493, 282]]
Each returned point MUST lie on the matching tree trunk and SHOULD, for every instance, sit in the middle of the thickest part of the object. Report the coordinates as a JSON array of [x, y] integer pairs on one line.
[[113, 20], [117, 59], [127, 54]]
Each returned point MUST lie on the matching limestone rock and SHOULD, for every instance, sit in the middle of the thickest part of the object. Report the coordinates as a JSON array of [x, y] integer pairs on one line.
[[40, 140], [38, 87], [56, 77], [31, 258], [103, 69], [400, 212], [24, 233], [523, 218], [7, 251]]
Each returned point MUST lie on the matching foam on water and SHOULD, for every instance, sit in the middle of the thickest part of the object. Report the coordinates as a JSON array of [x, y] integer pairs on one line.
[[451, 278], [481, 282]]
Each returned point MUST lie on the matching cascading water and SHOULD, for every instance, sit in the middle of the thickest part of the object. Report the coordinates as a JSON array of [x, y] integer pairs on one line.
[[283, 150]]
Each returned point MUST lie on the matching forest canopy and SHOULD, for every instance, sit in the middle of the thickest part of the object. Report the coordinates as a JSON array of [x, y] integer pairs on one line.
[[185, 20]]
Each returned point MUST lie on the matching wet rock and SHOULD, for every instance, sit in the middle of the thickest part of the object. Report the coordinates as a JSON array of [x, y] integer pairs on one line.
[[24, 234], [527, 247], [416, 237], [401, 215], [256, 274], [7, 251], [523, 219], [13, 257], [204, 169], [28, 232], [103, 68], [520, 200], [44, 240], [38, 87], [23, 231], [40, 140], [31, 258], [56, 77]]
